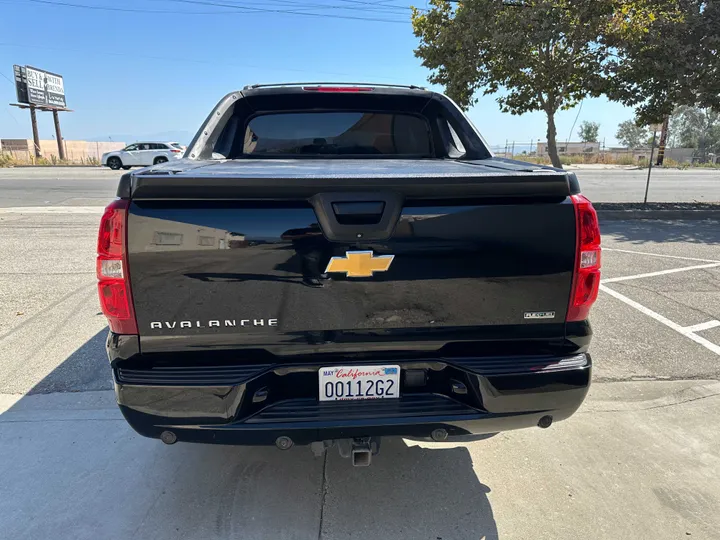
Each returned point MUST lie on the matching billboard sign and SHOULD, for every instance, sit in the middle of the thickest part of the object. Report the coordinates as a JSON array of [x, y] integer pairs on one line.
[[39, 87]]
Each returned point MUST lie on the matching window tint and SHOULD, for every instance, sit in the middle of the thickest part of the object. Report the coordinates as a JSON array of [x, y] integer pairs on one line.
[[144, 146], [337, 133], [157, 146], [131, 147], [176, 145]]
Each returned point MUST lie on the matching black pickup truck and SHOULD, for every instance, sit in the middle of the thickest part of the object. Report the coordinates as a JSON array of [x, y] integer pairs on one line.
[[331, 263]]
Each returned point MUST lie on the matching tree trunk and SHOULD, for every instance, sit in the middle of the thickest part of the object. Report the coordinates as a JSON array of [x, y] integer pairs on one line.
[[551, 142]]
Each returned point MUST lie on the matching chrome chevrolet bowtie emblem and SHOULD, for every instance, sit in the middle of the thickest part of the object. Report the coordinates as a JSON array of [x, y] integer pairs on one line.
[[360, 263]]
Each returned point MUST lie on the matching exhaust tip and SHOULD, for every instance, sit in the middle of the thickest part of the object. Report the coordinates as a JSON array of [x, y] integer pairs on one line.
[[439, 435], [283, 443], [545, 422], [168, 437]]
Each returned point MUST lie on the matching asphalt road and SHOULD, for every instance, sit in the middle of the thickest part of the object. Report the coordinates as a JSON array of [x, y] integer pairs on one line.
[[639, 460], [78, 186]]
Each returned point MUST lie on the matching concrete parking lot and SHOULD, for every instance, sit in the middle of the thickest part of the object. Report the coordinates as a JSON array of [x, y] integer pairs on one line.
[[640, 459]]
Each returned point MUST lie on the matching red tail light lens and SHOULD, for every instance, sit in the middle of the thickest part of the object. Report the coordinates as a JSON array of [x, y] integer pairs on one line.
[[113, 279], [338, 88], [176, 151], [586, 277]]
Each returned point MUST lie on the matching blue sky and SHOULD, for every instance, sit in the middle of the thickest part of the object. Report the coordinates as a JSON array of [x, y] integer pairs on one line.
[[160, 69]]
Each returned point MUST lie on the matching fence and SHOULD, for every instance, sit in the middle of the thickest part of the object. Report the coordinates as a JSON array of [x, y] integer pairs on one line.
[[597, 152], [80, 152]]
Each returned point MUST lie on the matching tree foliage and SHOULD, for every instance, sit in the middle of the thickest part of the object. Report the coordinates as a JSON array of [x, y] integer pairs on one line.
[[544, 54], [547, 55], [699, 128], [588, 131], [630, 134], [670, 58]]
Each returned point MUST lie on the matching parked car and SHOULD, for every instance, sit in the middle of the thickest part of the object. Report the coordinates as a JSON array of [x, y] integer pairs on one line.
[[143, 154], [369, 269]]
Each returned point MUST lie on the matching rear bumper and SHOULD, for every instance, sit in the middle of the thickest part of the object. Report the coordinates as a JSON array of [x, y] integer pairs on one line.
[[502, 394]]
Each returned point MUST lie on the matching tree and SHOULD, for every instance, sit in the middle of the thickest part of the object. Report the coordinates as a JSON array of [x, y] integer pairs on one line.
[[630, 134], [666, 55], [698, 128], [588, 131], [545, 54]]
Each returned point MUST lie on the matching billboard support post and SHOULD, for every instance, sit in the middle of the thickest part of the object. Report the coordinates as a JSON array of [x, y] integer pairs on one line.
[[58, 135], [36, 137]]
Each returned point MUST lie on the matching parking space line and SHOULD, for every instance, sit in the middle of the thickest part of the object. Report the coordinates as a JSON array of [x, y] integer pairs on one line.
[[659, 255], [702, 326], [687, 332], [661, 272]]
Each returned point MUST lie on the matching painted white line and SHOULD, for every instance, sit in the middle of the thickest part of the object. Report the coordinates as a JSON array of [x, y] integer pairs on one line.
[[667, 322], [660, 273], [53, 210], [659, 255], [702, 326]]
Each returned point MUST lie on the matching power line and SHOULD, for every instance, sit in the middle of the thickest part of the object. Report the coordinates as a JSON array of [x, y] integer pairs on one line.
[[234, 9], [126, 10], [284, 11], [8, 79], [92, 51]]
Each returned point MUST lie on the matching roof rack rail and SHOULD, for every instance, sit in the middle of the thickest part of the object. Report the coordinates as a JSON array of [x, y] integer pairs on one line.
[[411, 86]]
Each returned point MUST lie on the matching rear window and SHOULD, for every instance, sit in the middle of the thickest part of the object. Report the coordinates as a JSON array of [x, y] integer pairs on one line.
[[337, 133]]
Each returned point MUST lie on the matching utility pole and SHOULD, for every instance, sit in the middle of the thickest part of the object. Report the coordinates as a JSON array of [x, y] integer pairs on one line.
[[58, 135], [512, 152], [663, 139], [36, 137]]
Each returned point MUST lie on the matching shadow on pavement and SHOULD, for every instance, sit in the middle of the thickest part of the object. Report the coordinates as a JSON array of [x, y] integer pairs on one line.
[[408, 492], [73, 469], [656, 231], [85, 369]]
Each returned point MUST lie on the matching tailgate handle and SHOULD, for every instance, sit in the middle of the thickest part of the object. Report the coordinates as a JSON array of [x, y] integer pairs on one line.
[[358, 208], [358, 213], [350, 216]]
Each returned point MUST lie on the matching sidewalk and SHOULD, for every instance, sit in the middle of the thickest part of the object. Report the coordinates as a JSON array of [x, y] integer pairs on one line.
[[640, 460]]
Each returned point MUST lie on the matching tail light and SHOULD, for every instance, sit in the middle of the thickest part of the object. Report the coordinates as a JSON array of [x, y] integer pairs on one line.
[[586, 276], [176, 151], [112, 270]]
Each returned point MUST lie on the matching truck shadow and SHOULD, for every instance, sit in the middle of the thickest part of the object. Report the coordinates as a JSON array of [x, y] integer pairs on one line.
[[71, 459]]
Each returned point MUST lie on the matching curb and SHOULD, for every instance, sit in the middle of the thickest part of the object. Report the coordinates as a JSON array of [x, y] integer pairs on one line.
[[621, 215]]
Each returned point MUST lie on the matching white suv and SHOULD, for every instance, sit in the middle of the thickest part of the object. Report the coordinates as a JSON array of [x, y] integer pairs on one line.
[[142, 154]]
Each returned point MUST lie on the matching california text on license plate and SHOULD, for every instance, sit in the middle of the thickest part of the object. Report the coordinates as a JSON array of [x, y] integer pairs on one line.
[[359, 382]]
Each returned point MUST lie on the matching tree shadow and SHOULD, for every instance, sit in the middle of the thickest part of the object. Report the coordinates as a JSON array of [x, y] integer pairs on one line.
[[663, 231]]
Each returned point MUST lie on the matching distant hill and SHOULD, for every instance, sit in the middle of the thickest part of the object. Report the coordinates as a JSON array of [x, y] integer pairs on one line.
[[183, 137]]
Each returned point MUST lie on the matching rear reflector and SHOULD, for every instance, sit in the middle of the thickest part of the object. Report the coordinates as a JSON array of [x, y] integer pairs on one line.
[[113, 279], [586, 275], [338, 88]]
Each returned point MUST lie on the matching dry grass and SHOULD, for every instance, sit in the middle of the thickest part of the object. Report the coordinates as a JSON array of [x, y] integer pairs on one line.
[[8, 160]]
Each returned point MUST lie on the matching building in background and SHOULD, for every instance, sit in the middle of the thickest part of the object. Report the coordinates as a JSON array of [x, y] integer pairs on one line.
[[570, 148]]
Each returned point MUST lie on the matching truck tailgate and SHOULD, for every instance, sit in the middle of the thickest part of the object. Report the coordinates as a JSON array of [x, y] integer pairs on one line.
[[234, 255]]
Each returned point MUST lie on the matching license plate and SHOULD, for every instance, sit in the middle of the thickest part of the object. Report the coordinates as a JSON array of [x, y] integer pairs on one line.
[[359, 382]]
